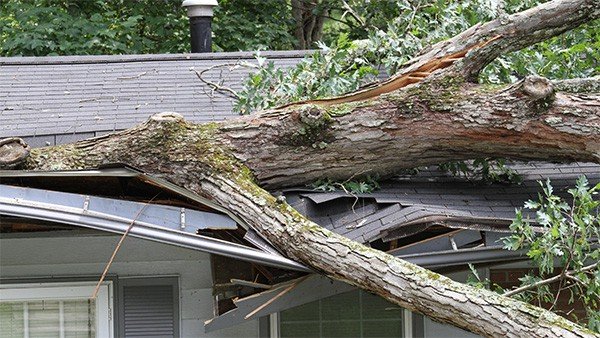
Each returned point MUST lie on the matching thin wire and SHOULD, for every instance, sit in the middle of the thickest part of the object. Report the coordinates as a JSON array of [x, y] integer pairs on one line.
[[114, 254]]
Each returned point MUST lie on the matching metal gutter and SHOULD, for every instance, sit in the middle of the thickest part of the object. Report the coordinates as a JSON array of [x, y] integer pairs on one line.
[[124, 171], [174, 218], [252, 236], [108, 172], [121, 170], [52, 210], [447, 258]]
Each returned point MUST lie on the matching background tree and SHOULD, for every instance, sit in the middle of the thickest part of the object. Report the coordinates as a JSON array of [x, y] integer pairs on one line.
[[394, 32], [79, 27], [54, 27]]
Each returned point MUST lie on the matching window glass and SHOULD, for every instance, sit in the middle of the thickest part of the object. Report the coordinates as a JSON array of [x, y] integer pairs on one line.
[[351, 314], [48, 318], [48, 310]]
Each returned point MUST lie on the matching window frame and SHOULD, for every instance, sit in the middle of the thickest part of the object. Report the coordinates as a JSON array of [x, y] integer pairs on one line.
[[68, 291]]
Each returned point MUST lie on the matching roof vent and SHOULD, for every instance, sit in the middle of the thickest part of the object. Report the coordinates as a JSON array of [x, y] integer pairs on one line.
[[200, 13]]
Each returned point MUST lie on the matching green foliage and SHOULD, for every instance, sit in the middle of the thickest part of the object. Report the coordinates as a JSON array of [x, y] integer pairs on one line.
[[253, 25], [567, 235], [395, 32], [573, 54], [46, 27], [365, 185], [474, 280], [76, 27], [483, 169], [320, 75]]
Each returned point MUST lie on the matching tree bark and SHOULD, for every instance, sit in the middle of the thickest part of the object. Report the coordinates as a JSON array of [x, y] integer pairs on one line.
[[438, 117], [192, 156], [297, 14], [309, 16]]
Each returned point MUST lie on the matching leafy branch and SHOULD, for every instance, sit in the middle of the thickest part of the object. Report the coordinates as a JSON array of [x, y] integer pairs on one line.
[[484, 169], [364, 186], [570, 238]]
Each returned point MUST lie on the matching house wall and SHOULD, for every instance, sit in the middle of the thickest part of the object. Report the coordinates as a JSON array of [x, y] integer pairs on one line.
[[86, 255]]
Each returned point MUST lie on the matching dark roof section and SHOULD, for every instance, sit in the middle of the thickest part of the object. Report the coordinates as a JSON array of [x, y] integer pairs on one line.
[[54, 100], [404, 207]]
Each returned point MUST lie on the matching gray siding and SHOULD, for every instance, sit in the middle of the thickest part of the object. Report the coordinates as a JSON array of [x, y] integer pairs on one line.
[[87, 255]]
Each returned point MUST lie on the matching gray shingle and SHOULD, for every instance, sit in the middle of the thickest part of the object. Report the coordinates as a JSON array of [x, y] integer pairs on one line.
[[84, 94], [418, 202]]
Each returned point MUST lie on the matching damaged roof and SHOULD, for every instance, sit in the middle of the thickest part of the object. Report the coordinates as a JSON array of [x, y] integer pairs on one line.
[[114, 199], [52, 100], [432, 203], [431, 218]]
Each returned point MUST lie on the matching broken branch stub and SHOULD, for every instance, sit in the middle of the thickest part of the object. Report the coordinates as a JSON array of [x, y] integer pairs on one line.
[[13, 151]]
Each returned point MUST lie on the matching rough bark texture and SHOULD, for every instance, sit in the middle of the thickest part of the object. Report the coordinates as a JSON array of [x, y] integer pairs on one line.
[[517, 31], [187, 155], [442, 117], [309, 17]]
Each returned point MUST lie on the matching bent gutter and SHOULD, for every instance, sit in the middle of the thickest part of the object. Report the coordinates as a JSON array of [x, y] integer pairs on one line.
[[55, 212], [446, 258], [121, 170]]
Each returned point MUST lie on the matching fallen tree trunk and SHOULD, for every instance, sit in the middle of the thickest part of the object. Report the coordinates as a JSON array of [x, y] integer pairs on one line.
[[437, 117], [441, 119], [188, 156]]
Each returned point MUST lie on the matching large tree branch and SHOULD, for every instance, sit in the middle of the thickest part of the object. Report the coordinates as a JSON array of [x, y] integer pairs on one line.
[[187, 155], [469, 52], [438, 120], [434, 116], [515, 32]]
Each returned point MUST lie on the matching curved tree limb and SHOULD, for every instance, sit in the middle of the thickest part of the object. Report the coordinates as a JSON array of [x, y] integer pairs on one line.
[[439, 117], [479, 45], [516, 32]]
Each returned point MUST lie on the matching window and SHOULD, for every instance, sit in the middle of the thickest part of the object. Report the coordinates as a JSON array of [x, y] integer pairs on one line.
[[351, 314], [55, 310]]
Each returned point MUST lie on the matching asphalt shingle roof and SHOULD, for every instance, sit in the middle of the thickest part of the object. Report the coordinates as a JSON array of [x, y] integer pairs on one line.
[[62, 99], [399, 205]]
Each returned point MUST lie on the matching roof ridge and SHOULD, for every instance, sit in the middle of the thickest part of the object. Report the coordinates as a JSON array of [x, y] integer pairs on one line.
[[97, 59]]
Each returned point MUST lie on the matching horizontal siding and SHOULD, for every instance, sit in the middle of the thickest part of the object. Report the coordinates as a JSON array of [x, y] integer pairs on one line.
[[87, 256]]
